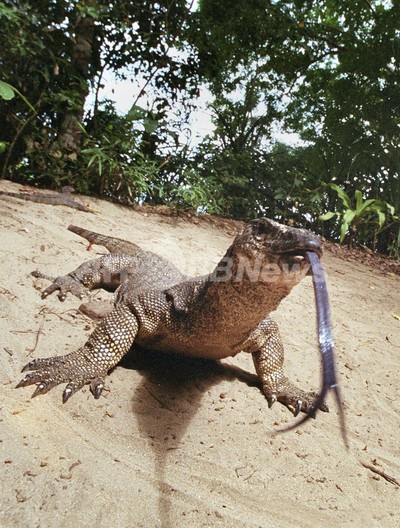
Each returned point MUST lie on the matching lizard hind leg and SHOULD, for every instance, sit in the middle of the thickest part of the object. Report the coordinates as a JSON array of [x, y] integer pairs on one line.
[[268, 361]]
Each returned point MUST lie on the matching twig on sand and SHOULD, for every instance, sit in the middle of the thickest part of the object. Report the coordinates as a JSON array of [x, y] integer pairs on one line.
[[381, 473]]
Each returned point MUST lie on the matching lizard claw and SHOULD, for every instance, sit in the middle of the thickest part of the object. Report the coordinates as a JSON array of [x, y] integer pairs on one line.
[[44, 387], [39, 363], [29, 379], [96, 388], [271, 400], [294, 398], [89, 364], [298, 407], [71, 388], [72, 369], [323, 407], [64, 285]]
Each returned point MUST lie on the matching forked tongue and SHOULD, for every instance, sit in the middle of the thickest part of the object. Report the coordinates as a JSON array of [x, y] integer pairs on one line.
[[326, 346]]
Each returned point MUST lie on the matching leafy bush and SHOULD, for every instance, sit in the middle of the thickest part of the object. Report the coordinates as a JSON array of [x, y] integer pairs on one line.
[[360, 220]]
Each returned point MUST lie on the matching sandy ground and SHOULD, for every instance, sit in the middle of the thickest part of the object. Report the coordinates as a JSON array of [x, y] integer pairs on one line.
[[184, 443]]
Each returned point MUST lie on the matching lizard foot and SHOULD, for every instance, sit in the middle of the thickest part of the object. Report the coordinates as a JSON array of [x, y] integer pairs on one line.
[[64, 284], [296, 400], [74, 369]]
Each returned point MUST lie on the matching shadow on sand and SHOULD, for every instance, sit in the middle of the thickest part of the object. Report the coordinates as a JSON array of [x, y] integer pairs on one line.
[[167, 399]]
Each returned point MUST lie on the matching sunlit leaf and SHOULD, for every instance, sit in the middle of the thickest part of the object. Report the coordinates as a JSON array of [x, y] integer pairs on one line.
[[6, 91], [358, 197], [341, 194], [327, 216]]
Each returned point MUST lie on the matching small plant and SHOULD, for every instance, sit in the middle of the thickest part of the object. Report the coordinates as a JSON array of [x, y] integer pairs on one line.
[[360, 219], [196, 193], [394, 246], [8, 92]]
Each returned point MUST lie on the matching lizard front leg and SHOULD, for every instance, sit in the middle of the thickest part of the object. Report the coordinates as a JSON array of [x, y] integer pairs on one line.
[[268, 361], [110, 341], [105, 272]]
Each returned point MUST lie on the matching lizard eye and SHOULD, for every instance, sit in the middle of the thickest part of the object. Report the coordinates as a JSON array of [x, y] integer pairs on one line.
[[262, 230]]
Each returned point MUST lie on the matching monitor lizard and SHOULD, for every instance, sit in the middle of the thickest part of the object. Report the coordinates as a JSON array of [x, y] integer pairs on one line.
[[64, 197], [213, 316]]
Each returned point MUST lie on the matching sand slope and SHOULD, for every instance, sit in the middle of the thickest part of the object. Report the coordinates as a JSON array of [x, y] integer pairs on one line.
[[184, 443]]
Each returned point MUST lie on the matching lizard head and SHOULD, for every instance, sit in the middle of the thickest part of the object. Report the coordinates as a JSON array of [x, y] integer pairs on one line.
[[272, 252], [276, 239]]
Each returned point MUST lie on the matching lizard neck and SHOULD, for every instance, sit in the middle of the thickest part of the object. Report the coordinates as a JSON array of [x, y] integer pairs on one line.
[[239, 299], [245, 300]]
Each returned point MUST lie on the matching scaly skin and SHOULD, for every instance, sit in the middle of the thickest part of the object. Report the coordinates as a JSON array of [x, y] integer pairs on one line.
[[63, 198], [215, 316]]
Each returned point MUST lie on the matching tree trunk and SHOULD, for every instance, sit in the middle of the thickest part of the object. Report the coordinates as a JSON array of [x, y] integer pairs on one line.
[[70, 136]]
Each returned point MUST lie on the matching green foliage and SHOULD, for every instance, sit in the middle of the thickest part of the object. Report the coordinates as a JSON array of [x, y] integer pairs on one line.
[[393, 247], [6, 91], [328, 71], [194, 193], [297, 186], [360, 219], [54, 54]]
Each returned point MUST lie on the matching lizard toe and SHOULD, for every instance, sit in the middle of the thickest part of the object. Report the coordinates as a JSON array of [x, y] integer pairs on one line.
[[295, 399], [41, 363], [271, 399], [50, 289], [75, 370], [64, 285], [44, 386], [97, 387], [297, 408], [311, 408], [324, 407], [71, 388], [30, 379]]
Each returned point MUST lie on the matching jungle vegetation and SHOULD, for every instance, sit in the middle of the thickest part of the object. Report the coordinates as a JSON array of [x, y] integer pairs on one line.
[[326, 71]]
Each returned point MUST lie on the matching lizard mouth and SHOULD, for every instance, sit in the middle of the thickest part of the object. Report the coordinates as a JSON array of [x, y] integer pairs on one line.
[[300, 255], [296, 250], [298, 259]]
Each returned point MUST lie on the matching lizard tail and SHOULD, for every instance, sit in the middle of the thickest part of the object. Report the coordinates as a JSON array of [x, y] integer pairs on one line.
[[114, 245]]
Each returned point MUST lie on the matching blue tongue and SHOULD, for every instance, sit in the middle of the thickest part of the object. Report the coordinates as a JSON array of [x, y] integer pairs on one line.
[[326, 345]]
